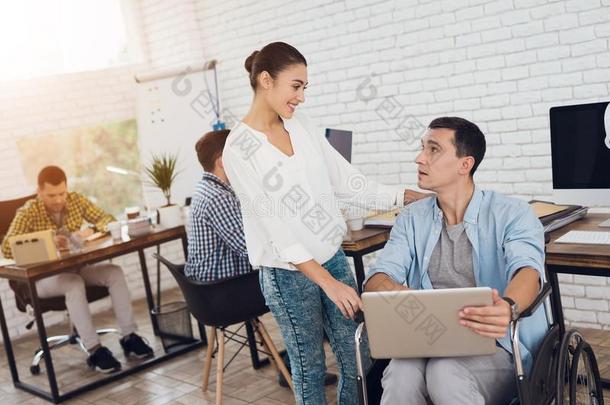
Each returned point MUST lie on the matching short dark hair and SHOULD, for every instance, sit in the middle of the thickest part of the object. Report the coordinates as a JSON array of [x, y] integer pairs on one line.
[[210, 147], [468, 138], [272, 58], [52, 175]]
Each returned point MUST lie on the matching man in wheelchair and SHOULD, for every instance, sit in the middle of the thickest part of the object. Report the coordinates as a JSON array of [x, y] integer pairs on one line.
[[463, 237]]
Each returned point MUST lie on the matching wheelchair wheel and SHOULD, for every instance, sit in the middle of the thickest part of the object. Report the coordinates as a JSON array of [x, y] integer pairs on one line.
[[578, 380]]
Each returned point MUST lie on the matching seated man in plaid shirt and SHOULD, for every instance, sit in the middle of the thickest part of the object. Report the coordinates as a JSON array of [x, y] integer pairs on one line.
[[216, 242], [66, 212]]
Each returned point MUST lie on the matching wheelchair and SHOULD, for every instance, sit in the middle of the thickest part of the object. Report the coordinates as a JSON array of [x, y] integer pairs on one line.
[[564, 367]]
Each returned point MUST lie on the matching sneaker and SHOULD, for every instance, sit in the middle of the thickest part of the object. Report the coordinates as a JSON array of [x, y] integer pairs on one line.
[[103, 360], [134, 346]]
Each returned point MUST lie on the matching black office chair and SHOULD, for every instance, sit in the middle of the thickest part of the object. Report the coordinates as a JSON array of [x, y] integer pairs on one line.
[[23, 299], [223, 303]]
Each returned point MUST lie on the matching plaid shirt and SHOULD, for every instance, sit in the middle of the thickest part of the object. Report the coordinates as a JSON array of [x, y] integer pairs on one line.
[[217, 246], [33, 217]]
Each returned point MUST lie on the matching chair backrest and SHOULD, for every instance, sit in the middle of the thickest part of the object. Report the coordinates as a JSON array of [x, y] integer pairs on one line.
[[8, 209], [220, 303]]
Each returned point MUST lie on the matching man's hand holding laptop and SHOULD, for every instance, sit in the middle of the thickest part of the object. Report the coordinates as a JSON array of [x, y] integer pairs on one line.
[[489, 321], [494, 320]]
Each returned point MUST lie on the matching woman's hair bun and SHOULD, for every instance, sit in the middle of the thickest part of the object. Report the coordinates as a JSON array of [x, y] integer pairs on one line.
[[250, 61]]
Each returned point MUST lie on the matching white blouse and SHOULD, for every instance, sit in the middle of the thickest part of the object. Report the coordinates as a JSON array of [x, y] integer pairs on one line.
[[290, 205]]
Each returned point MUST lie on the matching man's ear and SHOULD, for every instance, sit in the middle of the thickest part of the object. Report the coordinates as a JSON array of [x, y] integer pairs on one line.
[[265, 80], [466, 165], [218, 163]]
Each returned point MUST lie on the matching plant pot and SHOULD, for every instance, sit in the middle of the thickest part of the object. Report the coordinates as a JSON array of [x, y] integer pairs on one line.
[[170, 216]]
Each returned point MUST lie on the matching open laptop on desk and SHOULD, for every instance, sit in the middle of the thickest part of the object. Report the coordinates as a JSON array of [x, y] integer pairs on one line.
[[34, 247]]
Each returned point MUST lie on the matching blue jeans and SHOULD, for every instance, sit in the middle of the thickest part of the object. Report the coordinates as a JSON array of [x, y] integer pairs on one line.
[[304, 312]]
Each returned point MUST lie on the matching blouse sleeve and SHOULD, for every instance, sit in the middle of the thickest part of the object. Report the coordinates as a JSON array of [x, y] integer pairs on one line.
[[349, 184]]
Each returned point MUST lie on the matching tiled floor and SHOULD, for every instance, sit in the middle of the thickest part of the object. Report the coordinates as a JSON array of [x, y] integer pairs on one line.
[[178, 381]]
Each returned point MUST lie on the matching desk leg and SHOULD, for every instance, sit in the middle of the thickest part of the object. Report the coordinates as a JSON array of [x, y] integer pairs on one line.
[[8, 346], [42, 334], [147, 289], [359, 267], [556, 299]]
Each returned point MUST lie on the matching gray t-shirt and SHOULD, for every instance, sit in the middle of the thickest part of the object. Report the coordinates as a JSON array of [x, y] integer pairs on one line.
[[451, 261]]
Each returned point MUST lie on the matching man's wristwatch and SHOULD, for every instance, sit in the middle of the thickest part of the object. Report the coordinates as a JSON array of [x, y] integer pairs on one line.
[[514, 308]]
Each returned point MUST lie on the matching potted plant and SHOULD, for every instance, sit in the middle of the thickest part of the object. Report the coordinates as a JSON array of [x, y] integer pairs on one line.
[[162, 172]]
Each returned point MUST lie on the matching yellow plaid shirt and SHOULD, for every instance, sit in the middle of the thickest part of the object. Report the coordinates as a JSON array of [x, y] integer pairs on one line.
[[33, 217]]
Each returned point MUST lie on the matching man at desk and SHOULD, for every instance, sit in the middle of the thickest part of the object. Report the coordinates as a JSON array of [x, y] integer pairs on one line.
[[463, 237], [56, 208]]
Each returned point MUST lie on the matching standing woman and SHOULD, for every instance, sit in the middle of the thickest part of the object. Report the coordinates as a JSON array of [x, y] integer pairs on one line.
[[289, 181]]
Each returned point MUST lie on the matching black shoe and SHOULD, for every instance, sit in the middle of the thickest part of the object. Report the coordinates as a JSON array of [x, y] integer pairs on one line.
[[329, 379], [103, 360], [133, 345]]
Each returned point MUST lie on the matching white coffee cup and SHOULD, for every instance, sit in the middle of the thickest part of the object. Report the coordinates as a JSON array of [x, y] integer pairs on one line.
[[132, 212], [355, 224], [115, 229]]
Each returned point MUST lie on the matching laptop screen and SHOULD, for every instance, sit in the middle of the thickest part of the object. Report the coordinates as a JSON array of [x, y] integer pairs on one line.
[[342, 141]]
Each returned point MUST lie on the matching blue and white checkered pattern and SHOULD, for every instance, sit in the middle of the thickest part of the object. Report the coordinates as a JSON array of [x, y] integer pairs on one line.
[[216, 242]]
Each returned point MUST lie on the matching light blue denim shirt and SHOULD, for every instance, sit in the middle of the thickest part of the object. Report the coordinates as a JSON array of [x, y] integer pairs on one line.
[[505, 235]]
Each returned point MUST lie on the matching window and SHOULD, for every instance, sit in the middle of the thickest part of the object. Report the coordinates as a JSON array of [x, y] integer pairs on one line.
[[84, 154], [46, 37]]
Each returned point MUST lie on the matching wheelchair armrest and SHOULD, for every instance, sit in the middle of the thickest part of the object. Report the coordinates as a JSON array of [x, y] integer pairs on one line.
[[544, 293]]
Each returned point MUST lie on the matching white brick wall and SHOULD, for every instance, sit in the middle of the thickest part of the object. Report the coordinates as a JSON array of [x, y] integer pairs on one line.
[[501, 63], [62, 102]]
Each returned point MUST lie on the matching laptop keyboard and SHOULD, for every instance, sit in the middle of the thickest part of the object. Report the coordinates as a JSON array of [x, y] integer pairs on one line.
[[586, 237]]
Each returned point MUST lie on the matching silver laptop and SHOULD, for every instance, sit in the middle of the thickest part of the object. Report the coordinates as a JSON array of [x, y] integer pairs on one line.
[[34, 247], [424, 323]]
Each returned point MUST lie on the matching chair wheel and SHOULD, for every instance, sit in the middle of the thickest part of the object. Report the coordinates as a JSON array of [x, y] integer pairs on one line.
[[35, 370]]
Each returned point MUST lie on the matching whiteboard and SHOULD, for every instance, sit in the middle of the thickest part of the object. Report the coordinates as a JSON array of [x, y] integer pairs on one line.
[[172, 114]]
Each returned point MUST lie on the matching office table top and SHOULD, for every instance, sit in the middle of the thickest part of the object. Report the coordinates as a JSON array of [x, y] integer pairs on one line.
[[365, 238], [96, 251], [579, 255], [106, 248], [556, 253]]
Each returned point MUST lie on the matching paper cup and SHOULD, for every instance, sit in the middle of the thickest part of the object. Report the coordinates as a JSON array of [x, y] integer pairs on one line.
[[115, 230], [355, 224]]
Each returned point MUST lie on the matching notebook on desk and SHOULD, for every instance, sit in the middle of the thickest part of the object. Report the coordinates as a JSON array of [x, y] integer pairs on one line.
[[554, 216], [385, 219]]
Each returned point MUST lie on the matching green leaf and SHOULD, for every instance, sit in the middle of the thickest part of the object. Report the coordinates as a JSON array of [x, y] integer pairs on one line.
[[162, 172]]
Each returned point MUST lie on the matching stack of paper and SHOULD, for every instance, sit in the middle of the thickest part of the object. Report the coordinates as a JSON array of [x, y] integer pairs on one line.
[[542, 209], [384, 219]]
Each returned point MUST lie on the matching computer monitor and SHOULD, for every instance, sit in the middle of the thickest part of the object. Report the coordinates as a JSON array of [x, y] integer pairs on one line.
[[342, 141], [580, 153]]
